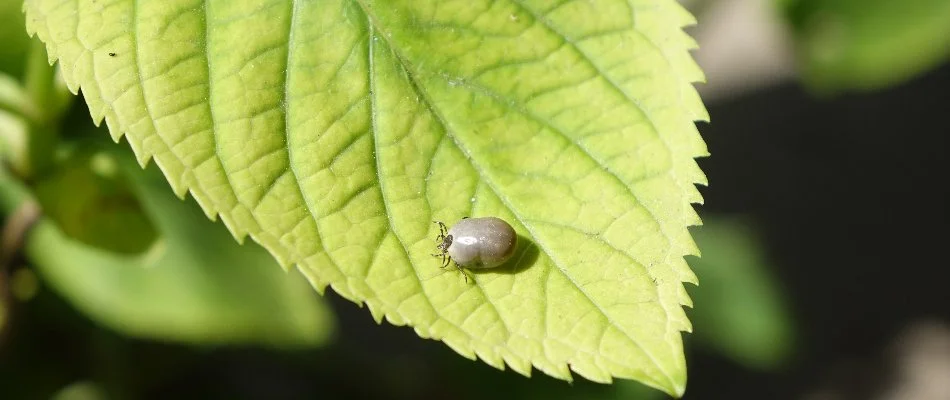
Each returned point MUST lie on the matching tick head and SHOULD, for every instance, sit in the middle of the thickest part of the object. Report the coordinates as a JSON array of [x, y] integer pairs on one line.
[[443, 247], [446, 242]]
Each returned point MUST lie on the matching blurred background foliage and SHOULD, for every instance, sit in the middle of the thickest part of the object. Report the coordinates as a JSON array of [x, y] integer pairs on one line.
[[121, 290], [867, 44]]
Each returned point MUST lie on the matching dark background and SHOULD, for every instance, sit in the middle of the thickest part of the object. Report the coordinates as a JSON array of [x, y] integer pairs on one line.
[[850, 195]]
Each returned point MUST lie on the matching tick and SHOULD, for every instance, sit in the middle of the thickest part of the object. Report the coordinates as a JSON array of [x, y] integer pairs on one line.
[[476, 243]]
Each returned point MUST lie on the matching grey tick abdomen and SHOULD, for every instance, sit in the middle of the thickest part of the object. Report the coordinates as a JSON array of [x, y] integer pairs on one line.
[[482, 242]]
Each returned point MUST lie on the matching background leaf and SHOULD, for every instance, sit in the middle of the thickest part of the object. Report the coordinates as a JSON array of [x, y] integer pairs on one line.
[[193, 283], [16, 44], [333, 133], [92, 204], [865, 44], [742, 312]]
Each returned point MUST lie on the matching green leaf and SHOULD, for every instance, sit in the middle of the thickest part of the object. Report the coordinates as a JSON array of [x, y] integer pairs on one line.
[[862, 44], [82, 390], [30, 113], [15, 104], [193, 284], [92, 204], [742, 312], [335, 132], [14, 101], [14, 43]]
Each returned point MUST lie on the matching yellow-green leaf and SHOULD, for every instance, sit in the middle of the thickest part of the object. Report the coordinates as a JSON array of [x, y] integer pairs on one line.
[[335, 132]]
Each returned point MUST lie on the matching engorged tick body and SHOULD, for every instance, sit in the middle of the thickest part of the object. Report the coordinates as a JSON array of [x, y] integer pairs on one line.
[[476, 243]]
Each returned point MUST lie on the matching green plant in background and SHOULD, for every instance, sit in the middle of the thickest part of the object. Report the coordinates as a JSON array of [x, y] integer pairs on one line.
[[867, 44], [14, 50], [189, 282], [743, 314]]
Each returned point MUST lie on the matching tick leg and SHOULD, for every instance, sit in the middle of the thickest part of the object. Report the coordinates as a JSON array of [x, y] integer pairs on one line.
[[445, 259], [462, 271], [442, 231]]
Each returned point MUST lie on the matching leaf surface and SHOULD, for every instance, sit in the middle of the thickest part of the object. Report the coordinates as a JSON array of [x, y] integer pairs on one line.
[[335, 132]]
